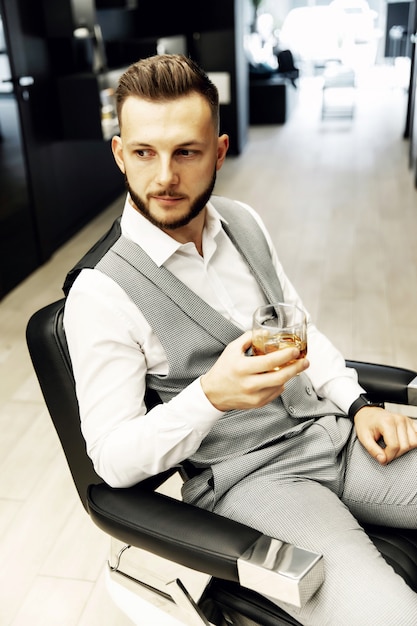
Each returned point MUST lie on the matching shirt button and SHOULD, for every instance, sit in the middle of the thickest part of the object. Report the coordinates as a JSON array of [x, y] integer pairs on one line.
[[309, 390], [291, 409]]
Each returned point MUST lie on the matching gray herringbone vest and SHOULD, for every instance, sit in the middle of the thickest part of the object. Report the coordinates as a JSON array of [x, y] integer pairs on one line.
[[193, 336]]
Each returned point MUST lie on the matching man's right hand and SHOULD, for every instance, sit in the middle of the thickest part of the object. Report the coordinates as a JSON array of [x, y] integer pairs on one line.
[[237, 381]]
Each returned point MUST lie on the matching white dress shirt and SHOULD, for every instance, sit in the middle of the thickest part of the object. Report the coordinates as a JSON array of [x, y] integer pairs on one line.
[[112, 347]]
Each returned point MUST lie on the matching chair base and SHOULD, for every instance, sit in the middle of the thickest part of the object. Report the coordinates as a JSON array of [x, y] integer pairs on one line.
[[170, 588], [338, 92]]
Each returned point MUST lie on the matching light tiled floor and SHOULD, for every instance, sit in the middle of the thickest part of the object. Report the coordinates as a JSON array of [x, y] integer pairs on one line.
[[339, 200]]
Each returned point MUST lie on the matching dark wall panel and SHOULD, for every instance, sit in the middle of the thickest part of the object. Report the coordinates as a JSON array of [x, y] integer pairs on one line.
[[71, 181], [84, 181]]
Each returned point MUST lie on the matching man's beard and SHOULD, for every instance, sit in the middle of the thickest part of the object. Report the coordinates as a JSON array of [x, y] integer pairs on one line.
[[196, 207]]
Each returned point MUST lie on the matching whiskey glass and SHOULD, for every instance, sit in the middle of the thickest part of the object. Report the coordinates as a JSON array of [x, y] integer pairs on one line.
[[279, 325]]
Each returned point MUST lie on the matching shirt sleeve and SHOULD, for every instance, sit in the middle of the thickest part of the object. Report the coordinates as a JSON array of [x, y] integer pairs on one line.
[[125, 442]]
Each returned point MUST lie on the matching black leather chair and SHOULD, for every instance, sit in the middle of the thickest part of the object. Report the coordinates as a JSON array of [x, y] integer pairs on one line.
[[192, 538]]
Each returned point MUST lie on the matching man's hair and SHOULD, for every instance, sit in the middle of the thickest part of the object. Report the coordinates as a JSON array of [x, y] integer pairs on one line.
[[166, 77]]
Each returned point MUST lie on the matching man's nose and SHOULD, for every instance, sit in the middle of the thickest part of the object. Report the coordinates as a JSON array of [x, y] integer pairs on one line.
[[166, 173]]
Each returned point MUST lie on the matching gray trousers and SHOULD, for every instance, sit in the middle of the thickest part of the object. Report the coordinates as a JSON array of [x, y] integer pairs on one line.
[[313, 493]]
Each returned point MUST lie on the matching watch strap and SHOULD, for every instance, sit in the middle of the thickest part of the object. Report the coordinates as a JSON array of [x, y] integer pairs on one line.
[[362, 401]]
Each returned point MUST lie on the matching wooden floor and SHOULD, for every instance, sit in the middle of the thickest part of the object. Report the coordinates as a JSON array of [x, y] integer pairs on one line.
[[340, 202]]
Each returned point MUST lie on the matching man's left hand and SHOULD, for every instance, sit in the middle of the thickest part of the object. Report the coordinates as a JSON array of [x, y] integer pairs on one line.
[[398, 432]]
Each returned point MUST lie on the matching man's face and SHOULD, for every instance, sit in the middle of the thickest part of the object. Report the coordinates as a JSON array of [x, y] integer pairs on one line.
[[169, 152]]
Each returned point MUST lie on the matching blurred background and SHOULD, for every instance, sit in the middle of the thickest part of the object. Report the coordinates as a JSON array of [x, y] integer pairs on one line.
[[60, 60]]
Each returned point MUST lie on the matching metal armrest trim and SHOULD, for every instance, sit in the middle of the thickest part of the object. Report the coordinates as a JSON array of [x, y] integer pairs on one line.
[[281, 571], [412, 392]]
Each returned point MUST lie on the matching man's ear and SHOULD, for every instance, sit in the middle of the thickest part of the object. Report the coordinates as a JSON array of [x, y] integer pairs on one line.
[[222, 148], [117, 148]]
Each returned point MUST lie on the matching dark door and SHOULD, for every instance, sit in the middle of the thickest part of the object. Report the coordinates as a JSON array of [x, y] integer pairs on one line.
[[19, 246], [411, 118]]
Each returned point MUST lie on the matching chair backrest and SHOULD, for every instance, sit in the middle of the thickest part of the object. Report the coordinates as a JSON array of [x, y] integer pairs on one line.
[[286, 61], [48, 349]]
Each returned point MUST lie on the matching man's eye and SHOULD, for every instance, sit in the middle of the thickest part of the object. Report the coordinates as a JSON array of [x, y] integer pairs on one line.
[[143, 153], [185, 152]]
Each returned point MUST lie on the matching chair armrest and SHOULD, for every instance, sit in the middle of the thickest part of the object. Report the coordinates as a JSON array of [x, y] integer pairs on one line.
[[206, 542], [172, 529], [385, 383]]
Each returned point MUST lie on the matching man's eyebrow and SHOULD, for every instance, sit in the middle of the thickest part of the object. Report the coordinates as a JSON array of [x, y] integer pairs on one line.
[[190, 144], [136, 143], [186, 144]]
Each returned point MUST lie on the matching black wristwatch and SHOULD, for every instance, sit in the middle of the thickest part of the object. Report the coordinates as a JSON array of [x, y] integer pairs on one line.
[[360, 403]]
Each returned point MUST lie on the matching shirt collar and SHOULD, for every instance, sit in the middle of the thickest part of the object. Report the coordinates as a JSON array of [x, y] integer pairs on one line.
[[158, 245]]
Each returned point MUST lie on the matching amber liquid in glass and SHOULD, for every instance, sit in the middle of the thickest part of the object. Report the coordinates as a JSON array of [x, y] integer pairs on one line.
[[278, 342]]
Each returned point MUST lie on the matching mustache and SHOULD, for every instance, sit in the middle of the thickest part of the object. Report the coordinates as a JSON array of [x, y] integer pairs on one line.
[[165, 194]]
